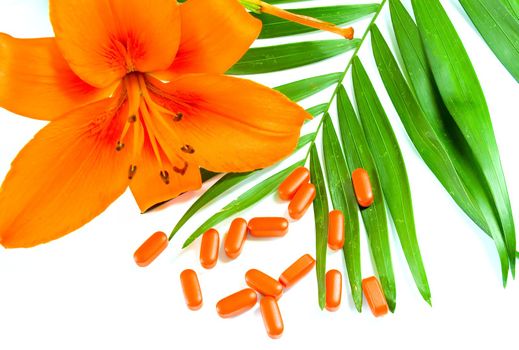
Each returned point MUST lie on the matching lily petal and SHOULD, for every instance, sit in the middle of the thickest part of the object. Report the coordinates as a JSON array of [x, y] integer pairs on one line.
[[104, 40], [67, 175], [229, 124], [215, 35], [36, 81], [147, 186]]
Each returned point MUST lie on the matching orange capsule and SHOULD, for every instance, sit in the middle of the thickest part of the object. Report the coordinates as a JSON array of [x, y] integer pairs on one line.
[[335, 230], [268, 227], [375, 296], [333, 290], [271, 317], [235, 238], [293, 182], [151, 249], [297, 270], [191, 288], [209, 248], [237, 303], [263, 283], [301, 201], [362, 187]]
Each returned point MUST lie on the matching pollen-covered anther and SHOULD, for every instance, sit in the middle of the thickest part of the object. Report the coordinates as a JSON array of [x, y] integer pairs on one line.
[[178, 117], [131, 171], [119, 146], [182, 170], [187, 149], [164, 175]]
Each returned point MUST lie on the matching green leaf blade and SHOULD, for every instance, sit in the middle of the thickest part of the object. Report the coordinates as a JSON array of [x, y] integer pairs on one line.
[[471, 198], [301, 89], [374, 217], [461, 91], [499, 28], [320, 205], [343, 199], [392, 172], [280, 57], [244, 201], [274, 27]]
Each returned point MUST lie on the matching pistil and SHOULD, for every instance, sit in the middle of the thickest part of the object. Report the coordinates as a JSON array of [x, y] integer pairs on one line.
[[259, 6]]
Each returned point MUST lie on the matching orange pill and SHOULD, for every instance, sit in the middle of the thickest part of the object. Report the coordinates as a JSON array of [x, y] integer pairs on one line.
[[375, 296], [362, 187], [235, 238], [335, 230], [268, 227], [209, 248], [301, 201], [263, 283], [237, 303], [191, 288], [151, 249], [271, 317], [293, 182], [296, 271], [333, 290]]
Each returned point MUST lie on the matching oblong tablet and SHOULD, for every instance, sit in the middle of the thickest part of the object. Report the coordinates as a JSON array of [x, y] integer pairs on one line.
[[333, 290], [268, 226], [151, 249], [209, 248], [375, 296], [362, 187], [288, 188], [297, 270], [335, 230], [191, 289], [237, 303], [271, 317], [301, 201], [235, 238], [263, 283]]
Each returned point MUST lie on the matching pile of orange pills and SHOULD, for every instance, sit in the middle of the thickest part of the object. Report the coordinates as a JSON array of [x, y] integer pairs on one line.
[[300, 193]]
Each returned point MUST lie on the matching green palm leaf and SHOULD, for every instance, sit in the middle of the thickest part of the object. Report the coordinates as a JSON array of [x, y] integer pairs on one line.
[[391, 168], [343, 199], [463, 97], [321, 223], [499, 28], [374, 217], [275, 58]]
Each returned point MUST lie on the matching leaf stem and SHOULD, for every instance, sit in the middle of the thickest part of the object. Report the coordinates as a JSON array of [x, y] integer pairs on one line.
[[343, 75]]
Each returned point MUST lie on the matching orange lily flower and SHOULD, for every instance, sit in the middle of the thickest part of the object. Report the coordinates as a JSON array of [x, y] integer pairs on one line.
[[114, 124]]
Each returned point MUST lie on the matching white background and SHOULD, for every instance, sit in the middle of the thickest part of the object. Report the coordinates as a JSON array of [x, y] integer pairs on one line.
[[85, 292]]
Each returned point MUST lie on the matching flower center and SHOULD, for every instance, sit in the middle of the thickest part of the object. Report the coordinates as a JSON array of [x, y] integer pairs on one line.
[[145, 116]]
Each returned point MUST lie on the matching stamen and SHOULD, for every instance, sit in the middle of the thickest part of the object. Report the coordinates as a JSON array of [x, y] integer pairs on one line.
[[259, 6], [132, 171], [164, 175], [151, 134], [119, 146], [182, 170], [187, 149], [178, 117]]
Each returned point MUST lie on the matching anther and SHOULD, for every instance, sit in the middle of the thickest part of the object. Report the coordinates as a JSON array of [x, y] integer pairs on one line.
[[132, 119], [132, 171], [119, 146], [178, 117], [187, 149], [181, 171], [164, 175]]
